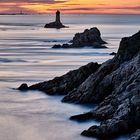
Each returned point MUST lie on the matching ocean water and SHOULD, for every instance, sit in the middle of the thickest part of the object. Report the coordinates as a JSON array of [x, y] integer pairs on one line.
[[26, 56]]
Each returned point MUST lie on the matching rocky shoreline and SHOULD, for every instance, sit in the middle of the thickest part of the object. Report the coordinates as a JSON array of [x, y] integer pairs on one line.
[[114, 86]]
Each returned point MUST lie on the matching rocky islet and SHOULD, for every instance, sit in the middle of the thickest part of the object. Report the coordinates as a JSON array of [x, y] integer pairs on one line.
[[57, 23], [88, 38]]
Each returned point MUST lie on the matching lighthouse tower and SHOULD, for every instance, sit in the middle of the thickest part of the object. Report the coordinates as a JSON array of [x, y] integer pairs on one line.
[[58, 17], [57, 23]]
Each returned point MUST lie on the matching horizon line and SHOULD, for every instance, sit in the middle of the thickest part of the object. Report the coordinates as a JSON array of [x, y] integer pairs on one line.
[[26, 13]]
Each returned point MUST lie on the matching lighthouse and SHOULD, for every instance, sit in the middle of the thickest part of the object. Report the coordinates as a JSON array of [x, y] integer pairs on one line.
[[57, 16], [57, 23]]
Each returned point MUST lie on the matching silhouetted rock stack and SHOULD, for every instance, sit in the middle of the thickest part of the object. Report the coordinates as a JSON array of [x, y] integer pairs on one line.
[[57, 24], [114, 86], [91, 37]]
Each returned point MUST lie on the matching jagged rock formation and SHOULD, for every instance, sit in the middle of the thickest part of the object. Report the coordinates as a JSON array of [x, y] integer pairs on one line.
[[65, 83], [117, 92], [57, 24], [91, 37], [114, 86], [110, 75]]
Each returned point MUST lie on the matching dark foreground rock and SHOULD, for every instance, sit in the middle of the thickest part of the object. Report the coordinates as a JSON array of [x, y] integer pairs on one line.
[[118, 93], [111, 75], [91, 37], [136, 135], [114, 86], [67, 82]]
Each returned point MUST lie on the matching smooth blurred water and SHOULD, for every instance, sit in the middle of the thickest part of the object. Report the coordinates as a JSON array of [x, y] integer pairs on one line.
[[26, 56]]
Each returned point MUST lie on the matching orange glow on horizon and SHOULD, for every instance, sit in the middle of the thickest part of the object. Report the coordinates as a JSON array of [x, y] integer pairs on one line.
[[72, 6]]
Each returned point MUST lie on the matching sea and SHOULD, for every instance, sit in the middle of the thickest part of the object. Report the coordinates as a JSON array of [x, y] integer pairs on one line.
[[26, 56]]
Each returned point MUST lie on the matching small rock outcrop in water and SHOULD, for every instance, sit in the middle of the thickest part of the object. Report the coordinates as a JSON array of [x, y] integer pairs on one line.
[[57, 24], [113, 53], [23, 87], [114, 86], [91, 37]]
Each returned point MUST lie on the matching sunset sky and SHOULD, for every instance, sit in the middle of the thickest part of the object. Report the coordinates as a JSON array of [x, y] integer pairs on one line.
[[71, 6]]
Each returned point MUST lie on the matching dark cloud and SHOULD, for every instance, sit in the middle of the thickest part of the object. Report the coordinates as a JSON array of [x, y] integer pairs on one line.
[[100, 8], [79, 9], [128, 8]]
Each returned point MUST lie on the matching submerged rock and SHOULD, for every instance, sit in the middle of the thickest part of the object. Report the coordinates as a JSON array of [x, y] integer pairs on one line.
[[57, 24], [91, 37]]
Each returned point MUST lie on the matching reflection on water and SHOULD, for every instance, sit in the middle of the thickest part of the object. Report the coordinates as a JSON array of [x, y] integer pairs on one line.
[[26, 56]]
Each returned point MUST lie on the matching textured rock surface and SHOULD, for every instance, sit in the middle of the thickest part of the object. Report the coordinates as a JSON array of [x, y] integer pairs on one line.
[[91, 37], [67, 82], [114, 86], [118, 93], [136, 135], [110, 75]]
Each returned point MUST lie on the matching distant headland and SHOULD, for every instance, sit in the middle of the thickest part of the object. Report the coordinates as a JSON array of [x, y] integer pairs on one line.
[[57, 23]]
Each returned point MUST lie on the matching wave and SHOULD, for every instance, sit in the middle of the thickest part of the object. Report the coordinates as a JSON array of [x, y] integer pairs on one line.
[[19, 24], [6, 60], [39, 40]]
